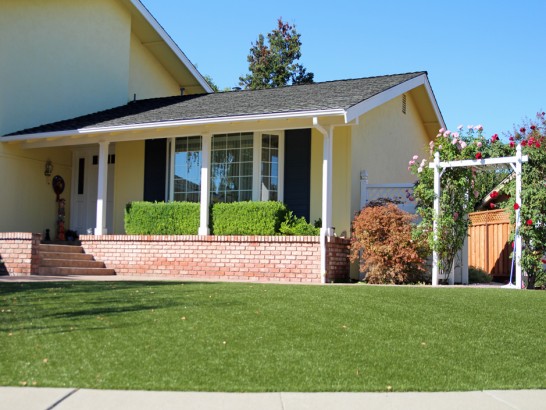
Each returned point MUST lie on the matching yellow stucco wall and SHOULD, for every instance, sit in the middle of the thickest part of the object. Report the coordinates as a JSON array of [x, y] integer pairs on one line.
[[129, 177], [147, 77], [27, 201], [61, 59], [383, 142]]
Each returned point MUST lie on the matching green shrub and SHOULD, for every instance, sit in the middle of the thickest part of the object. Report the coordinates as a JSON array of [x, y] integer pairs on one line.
[[247, 218], [477, 275], [293, 225], [160, 218]]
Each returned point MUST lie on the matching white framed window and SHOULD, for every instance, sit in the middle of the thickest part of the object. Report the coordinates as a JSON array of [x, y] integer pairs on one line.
[[244, 166], [232, 167]]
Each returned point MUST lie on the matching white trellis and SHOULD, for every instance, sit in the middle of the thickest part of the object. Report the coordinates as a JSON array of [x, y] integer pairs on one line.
[[439, 168]]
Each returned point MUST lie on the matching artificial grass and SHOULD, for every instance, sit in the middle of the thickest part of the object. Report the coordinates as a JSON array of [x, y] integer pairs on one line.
[[254, 337]]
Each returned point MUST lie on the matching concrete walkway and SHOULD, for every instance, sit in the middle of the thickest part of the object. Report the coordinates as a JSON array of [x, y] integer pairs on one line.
[[26, 398]]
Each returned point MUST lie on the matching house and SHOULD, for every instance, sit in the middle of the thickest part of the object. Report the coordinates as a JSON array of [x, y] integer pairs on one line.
[[100, 91]]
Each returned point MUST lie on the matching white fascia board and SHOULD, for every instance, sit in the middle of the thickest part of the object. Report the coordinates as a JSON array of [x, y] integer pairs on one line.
[[363, 107], [172, 45], [176, 123], [434, 103], [40, 136]]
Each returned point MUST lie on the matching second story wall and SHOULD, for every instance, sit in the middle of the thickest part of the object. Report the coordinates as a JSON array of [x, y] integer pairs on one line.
[[65, 58], [61, 59], [147, 77]]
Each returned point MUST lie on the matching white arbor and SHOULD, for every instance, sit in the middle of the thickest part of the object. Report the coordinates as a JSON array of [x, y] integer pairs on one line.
[[439, 168]]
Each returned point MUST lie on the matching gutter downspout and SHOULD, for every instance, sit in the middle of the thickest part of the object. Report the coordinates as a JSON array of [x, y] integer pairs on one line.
[[326, 229]]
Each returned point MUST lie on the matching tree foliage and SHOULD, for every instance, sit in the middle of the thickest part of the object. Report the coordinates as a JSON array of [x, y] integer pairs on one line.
[[382, 238], [273, 62]]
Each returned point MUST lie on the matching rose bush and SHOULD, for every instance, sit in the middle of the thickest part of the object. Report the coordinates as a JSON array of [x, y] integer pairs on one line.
[[463, 189]]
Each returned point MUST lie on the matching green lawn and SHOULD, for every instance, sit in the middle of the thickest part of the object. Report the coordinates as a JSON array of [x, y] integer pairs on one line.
[[254, 337]]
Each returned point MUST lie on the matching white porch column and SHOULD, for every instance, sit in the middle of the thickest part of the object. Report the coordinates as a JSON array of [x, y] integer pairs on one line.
[[205, 184], [517, 238], [326, 216], [327, 183], [437, 192], [102, 189]]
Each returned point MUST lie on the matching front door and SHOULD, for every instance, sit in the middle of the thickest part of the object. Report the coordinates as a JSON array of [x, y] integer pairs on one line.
[[84, 191]]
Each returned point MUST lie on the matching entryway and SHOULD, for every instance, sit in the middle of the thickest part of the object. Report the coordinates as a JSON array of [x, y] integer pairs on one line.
[[83, 215]]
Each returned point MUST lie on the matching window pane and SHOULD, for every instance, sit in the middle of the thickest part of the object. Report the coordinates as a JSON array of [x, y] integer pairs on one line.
[[219, 142], [233, 170], [269, 167], [246, 183], [245, 196], [274, 141], [234, 141], [247, 154], [187, 168], [247, 140], [233, 155], [246, 169]]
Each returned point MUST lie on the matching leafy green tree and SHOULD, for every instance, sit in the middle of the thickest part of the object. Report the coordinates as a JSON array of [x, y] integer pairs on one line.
[[273, 62], [212, 84]]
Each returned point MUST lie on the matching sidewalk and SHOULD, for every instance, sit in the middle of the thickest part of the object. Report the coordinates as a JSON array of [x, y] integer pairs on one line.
[[15, 398]]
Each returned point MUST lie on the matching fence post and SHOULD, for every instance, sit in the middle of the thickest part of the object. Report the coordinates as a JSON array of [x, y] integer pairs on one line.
[[363, 188]]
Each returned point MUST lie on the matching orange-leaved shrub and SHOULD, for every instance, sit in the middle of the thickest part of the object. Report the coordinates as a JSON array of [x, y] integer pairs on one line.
[[382, 241]]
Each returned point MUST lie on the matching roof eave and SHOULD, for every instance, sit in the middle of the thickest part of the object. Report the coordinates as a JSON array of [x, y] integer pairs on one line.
[[175, 123]]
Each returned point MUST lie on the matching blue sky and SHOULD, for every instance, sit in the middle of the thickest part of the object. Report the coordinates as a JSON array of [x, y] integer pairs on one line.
[[486, 59]]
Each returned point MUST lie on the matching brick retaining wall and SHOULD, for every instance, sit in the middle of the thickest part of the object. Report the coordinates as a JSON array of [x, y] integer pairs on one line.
[[252, 258], [19, 253]]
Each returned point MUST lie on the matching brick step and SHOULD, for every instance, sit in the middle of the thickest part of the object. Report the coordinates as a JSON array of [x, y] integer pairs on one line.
[[67, 271], [66, 260], [71, 263], [63, 255], [60, 248]]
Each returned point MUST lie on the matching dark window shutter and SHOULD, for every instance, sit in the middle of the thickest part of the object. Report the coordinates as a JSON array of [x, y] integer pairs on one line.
[[155, 166], [297, 171]]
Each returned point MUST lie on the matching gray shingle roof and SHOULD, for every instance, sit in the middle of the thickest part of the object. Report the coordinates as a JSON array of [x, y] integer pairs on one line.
[[342, 94]]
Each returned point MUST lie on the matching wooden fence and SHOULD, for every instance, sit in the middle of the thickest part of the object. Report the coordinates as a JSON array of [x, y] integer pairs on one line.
[[488, 246]]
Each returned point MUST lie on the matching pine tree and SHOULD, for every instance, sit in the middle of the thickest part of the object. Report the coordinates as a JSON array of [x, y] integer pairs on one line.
[[272, 63]]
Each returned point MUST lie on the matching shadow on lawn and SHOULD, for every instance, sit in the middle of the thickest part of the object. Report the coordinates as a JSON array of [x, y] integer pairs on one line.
[[53, 307]]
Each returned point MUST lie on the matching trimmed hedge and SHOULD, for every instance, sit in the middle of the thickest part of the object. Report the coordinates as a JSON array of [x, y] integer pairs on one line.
[[160, 218], [235, 218], [248, 218], [292, 225]]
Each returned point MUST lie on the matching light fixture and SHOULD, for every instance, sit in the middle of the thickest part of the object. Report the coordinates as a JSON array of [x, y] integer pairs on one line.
[[48, 168]]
